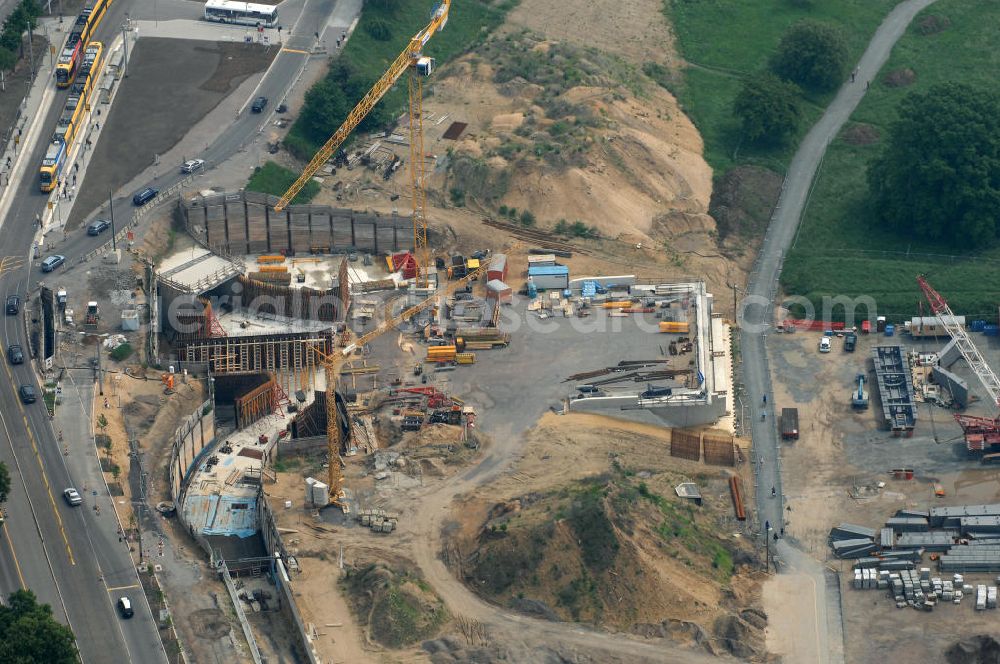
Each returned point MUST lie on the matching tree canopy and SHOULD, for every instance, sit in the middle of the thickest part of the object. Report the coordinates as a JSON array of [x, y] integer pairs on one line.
[[30, 635], [813, 55], [768, 108], [938, 177]]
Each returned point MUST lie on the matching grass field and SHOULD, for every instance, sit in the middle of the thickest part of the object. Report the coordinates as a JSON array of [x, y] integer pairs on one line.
[[840, 250], [724, 40], [468, 23], [275, 180]]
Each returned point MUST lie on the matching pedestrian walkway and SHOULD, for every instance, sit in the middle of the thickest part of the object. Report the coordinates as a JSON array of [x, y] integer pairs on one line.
[[757, 310]]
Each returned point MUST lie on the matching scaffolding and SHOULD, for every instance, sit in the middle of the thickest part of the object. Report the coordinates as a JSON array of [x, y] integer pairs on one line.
[[274, 353]]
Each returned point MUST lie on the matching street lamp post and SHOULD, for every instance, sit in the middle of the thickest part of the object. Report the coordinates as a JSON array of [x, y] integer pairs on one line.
[[125, 43]]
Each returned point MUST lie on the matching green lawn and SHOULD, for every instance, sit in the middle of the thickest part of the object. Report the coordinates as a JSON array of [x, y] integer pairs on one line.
[[840, 249], [469, 22], [724, 40], [275, 180]]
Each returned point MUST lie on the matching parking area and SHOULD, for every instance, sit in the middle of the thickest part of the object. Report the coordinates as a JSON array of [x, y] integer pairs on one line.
[[171, 85], [840, 471]]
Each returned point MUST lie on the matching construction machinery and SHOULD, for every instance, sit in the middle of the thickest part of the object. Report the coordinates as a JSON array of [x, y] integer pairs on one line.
[[859, 396], [413, 60], [980, 432], [333, 364]]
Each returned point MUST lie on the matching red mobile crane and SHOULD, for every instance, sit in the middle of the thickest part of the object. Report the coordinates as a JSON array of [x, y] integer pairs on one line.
[[980, 432]]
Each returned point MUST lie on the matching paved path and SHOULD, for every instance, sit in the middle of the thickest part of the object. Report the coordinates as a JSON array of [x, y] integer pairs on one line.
[[757, 312]]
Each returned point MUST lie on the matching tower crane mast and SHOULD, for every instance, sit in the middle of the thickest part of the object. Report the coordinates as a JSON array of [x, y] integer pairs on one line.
[[411, 59], [334, 362]]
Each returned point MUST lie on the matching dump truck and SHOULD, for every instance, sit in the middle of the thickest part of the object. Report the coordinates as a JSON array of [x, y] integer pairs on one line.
[[850, 342], [790, 423]]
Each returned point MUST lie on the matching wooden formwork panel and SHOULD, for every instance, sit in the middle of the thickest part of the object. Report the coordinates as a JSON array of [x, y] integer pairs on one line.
[[685, 445], [387, 236], [342, 231], [720, 451], [301, 236]]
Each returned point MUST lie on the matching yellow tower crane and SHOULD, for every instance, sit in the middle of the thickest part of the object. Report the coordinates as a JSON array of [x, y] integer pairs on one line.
[[411, 59], [334, 362]]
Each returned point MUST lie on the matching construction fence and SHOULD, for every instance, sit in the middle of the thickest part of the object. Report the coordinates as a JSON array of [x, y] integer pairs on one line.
[[245, 222]]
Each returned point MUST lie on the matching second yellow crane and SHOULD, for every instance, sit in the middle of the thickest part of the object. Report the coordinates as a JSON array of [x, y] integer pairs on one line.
[[333, 363]]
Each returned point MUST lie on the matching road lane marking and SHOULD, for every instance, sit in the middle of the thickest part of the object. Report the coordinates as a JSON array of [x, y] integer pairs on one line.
[[294, 50], [116, 589], [17, 565], [41, 465]]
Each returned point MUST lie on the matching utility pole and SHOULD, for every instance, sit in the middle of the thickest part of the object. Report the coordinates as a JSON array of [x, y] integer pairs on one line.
[[111, 206], [125, 43], [31, 53]]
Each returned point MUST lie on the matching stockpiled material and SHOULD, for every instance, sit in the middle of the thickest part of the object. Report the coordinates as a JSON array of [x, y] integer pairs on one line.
[[670, 327], [907, 524], [948, 517], [846, 531], [934, 541]]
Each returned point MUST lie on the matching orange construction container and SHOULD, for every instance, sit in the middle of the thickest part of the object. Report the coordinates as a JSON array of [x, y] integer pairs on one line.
[[617, 304], [273, 258], [273, 268]]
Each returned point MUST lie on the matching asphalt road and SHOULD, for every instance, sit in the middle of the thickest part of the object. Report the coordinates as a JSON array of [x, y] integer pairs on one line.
[[69, 556], [248, 126], [756, 309]]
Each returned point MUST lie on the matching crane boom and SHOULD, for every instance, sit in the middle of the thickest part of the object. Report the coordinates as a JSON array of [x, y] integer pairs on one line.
[[963, 342], [403, 61], [334, 362]]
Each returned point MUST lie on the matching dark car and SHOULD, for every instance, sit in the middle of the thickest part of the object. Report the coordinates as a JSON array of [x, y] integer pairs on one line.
[[13, 305], [98, 226], [258, 104], [52, 262], [125, 607], [144, 196], [28, 394], [15, 354]]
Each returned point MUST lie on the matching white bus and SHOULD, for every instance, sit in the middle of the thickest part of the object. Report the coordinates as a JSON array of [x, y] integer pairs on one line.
[[241, 13]]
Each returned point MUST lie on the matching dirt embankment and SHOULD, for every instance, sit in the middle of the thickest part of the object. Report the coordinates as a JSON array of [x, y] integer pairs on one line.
[[615, 548]]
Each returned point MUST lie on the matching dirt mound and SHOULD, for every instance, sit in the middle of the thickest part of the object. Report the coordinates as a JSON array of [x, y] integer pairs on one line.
[[610, 551], [742, 201], [933, 24], [900, 78], [861, 134], [977, 650], [570, 133], [398, 608]]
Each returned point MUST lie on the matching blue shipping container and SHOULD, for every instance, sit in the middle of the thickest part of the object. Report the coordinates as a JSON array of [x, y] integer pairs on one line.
[[890, 330], [991, 330], [977, 325]]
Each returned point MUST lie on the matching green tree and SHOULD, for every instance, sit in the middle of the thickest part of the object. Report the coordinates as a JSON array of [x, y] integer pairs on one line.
[[7, 59], [4, 482], [938, 176], [768, 108], [323, 111], [379, 30], [812, 54], [29, 633]]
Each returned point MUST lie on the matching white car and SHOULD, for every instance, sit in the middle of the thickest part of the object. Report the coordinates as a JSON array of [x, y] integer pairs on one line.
[[192, 165], [72, 497], [824, 345]]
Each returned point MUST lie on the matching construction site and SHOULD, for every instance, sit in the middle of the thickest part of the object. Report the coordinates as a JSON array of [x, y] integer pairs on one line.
[[355, 392], [890, 478]]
